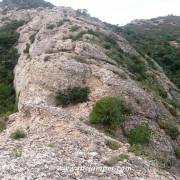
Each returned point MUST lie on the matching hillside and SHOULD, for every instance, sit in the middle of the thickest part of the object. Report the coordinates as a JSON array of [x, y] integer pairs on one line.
[[85, 104], [160, 39]]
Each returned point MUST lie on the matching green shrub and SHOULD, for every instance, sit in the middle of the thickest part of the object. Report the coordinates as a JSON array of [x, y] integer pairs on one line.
[[123, 157], [108, 111], [162, 93], [2, 125], [82, 12], [74, 28], [140, 150], [73, 95], [60, 23], [139, 135], [109, 131], [163, 124], [51, 26], [173, 131], [170, 128], [78, 36], [18, 134], [32, 38], [163, 160], [114, 54], [136, 149], [17, 152], [113, 145], [177, 152], [26, 51], [137, 67]]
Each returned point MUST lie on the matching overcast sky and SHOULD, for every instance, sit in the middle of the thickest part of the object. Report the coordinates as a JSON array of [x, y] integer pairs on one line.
[[123, 11]]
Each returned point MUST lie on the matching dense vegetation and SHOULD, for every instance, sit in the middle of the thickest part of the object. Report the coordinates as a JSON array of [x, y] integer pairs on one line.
[[155, 42], [73, 96], [8, 60]]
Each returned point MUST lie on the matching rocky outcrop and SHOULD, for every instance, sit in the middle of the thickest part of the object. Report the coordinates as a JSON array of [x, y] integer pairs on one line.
[[59, 57]]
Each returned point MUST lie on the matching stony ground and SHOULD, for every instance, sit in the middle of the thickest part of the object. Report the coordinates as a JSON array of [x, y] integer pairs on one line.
[[58, 146]]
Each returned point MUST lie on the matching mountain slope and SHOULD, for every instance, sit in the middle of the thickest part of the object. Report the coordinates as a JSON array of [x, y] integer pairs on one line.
[[25, 4], [60, 49], [159, 38]]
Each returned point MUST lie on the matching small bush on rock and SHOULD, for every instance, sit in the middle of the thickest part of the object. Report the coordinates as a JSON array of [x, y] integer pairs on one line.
[[2, 125], [60, 23], [113, 145], [17, 152], [18, 134], [74, 28], [139, 135], [51, 26], [140, 150], [26, 50], [109, 112], [73, 95], [136, 149], [173, 131], [177, 152], [32, 38], [162, 93], [163, 160], [81, 12], [170, 128]]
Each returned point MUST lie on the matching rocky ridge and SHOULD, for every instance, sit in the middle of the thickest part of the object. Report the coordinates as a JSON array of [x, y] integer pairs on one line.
[[167, 20], [61, 137], [25, 4]]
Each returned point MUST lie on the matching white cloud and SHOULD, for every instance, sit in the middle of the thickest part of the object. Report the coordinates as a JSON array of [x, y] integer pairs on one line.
[[123, 11]]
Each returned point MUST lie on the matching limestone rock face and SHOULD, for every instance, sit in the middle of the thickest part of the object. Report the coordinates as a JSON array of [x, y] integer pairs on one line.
[[62, 53]]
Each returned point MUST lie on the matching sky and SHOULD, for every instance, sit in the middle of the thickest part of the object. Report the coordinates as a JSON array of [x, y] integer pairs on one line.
[[123, 11]]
